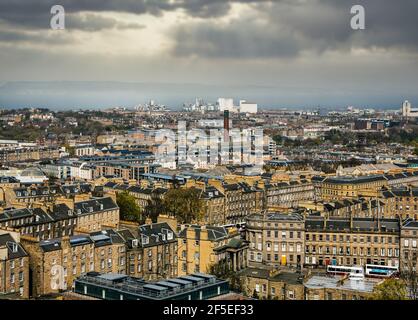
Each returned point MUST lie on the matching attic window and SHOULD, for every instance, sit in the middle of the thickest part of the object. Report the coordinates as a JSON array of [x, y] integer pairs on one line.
[[14, 247], [145, 239]]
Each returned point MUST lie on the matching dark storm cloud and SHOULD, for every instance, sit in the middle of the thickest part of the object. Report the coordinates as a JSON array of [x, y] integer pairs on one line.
[[281, 28], [291, 27], [36, 13]]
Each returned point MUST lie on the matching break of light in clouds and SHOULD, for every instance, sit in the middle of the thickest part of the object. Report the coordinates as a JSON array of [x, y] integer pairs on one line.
[[284, 53]]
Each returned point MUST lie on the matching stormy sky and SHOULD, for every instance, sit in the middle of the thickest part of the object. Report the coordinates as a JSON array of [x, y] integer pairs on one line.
[[283, 53]]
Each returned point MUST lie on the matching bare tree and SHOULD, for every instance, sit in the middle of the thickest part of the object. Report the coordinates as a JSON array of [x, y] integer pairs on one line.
[[408, 273]]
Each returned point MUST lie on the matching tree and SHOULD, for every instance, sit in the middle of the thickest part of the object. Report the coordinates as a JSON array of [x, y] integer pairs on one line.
[[409, 274], [129, 210], [390, 289], [184, 204], [155, 206], [223, 271]]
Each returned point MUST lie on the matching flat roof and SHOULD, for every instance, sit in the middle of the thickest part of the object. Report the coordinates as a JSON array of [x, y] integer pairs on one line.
[[362, 285], [112, 276]]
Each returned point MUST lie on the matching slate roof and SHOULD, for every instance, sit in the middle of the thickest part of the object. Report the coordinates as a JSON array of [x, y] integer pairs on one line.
[[14, 249], [155, 234], [214, 232], [97, 205]]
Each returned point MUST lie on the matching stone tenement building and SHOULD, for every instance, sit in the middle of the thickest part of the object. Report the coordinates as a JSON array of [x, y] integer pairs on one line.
[[335, 188], [401, 202], [409, 249], [357, 208], [62, 219], [200, 247], [227, 202], [56, 263], [214, 206], [275, 285], [275, 239], [288, 194], [29, 154], [151, 251], [283, 285], [22, 196], [14, 265], [291, 239], [355, 241], [241, 200]]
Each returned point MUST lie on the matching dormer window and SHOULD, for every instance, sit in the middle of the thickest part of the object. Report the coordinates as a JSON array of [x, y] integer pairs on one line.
[[145, 239], [14, 247]]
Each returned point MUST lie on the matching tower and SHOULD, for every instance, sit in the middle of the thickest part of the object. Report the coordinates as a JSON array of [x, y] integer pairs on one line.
[[406, 108]]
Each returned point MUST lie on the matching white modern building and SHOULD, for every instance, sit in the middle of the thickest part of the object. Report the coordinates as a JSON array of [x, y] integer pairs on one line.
[[226, 104], [408, 111], [247, 107]]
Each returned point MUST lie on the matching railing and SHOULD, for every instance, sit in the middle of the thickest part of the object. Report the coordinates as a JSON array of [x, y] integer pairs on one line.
[[137, 287]]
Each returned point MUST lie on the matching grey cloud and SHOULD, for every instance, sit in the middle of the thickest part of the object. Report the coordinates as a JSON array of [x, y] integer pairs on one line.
[[39, 37], [94, 22], [293, 26], [36, 13], [238, 40]]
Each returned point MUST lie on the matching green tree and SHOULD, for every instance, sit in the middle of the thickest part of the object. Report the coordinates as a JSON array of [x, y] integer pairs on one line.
[[184, 204], [390, 289], [155, 206], [129, 210], [222, 271]]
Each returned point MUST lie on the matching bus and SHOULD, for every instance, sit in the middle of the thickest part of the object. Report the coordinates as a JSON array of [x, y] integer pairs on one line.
[[343, 270], [373, 270]]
